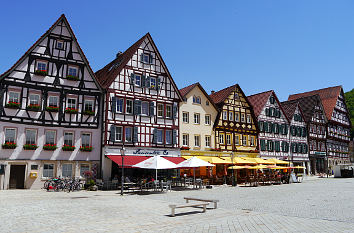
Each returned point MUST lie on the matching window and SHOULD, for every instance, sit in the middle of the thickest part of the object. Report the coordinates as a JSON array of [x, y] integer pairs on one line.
[[67, 170], [10, 135], [249, 118], [271, 100], [72, 71], [120, 103], [196, 100], [252, 141], [237, 140], [207, 141], [137, 80], [231, 116], [48, 170], [224, 115], [60, 44], [84, 168], [53, 101], [196, 118], [129, 106], [236, 97], [50, 137], [160, 110], [146, 58], [237, 116], [71, 103], [185, 139], [168, 111], [33, 99], [207, 103], [41, 66], [207, 120], [221, 138], [31, 136], [185, 117], [88, 105], [128, 134], [243, 117], [228, 139], [160, 136], [68, 138], [85, 139], [145, 108], [119, 133], [168, 137], [14, 97], [244, 140], [152, 83], [197, 140]]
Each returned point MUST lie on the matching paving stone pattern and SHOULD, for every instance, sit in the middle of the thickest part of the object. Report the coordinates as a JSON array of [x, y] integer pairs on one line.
[[316, 205]]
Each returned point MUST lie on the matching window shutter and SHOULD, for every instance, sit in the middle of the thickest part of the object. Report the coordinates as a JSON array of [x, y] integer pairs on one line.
[[150, 58], [271, 127], [305, 148], [142, 82], [267, 111], [113, 133], [132, 79], [175, 109], [298, 130], [142, 57], [276, 128], [135, 136], [174, 137], [137, 107], [263, 146], [285, 129], [152, 109], [154, 139], [147, 81], [304, 131], [114, 104], [260, 125], [283, 146], [2, 92], [299, 147], [158, 82]]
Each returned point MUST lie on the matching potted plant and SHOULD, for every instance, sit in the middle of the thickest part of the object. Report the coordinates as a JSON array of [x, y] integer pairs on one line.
[[52, 108], [12, 104], [86, 148], [89, 112], [33, 107], [90, 183], [30, 146], [72, 78], [50, 147], [68, 148], [41, 72], [9, 145], [71, 110]]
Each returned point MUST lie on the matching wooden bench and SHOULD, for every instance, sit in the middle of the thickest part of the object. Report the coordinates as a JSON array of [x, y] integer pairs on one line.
[[173, 207], [204, 200]]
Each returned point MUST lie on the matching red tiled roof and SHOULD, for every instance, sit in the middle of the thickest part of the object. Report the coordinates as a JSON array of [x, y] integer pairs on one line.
[[220, 96], [258, 101], [328, 97], [289, 108], [185, 90]]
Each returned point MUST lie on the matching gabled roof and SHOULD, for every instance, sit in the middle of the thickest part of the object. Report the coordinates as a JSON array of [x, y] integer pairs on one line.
[[259, 100], [108, 73], [328, 97], [184, 91], [289, 108], [221, 96], [61, 18]]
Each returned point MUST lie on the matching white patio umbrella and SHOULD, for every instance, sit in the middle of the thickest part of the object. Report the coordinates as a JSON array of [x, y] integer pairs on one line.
[[194, 162], [157, 163]]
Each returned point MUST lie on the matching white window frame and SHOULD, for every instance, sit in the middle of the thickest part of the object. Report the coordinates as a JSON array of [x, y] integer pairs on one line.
[[39, 63], [51, 98], [160, 111], [237, 140], [168, 111], [33, 101], [82, 171], [231, 116], [196, 140], [129, 106], [69, 105], [185, 139], [207, 141], [128, 139], [185, 117], [137, 80], [244, 140], [60, 42], [89, 103], [237, 117], [168, 138], [6, 136], [145, 109], [228, 139], [207, 119], [196, 118], [67, 134], [120, 105], [65, 172], [243, 117], [248, 117], [15, 98], [252, 140], [160, 136], [89, 139], [145, 55], [30, 140], [118, 134], [47, 137], [222, 139], [153, 83], [224, 115], [48, 173], [71, 69]]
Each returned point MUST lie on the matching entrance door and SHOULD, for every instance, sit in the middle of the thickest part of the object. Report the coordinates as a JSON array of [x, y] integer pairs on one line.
[[17, 176]]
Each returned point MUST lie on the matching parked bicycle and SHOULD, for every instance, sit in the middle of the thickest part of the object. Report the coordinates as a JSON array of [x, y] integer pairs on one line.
[[63, 184]]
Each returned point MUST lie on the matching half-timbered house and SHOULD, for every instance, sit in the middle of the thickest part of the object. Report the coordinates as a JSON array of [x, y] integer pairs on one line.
[[297, 134], [49, 112], [141, 107], [338, 126], [235, 126], [273, 125]]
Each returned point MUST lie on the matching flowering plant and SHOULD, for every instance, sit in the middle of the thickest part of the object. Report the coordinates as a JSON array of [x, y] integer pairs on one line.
[[71, 110], [89, 112], [30, 146], [215, 149], [33, 107], [52, 109], [12, 104], [86, 148], [72, 78], [50, 147], [9, 145], [68, 148], [41, 72], [185, 148]]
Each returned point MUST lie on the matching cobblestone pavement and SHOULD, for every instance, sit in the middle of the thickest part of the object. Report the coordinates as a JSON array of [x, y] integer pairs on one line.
[[316, 205]]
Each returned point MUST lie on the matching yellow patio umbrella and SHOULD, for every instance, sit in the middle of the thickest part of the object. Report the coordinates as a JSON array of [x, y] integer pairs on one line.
[[258, 167], [300, 167], [278, 161], [279, 167], [238, 167], [214, 160], [261, 161], [239, 160]]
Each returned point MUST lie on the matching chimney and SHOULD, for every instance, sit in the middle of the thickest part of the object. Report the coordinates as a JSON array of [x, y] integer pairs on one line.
[[212, 92], [118, 54]]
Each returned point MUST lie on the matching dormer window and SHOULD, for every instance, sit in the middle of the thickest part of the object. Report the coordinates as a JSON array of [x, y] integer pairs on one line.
[[196, 100], [271, 99], [60, 44]]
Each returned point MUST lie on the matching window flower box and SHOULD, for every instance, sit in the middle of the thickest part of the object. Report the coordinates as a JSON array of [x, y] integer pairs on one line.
[[68, 148], [34, 107], [72, 78], [86, 148], [185, 148], [50, 147], [88, 112], [30, 147], [52, 109], [41, 72], [9, 145], [14, 105], [215, 149], [71, 110]]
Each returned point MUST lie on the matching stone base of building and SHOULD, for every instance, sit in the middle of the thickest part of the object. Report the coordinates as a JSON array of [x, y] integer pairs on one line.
[[32, 174]]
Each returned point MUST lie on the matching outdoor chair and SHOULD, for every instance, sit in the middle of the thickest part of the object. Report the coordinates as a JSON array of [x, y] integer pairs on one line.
[[99, 184], [156, 185], [166, 185]]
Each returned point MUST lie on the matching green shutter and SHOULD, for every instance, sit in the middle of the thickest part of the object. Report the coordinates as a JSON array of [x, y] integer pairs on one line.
[[263, 145], [267, 111]]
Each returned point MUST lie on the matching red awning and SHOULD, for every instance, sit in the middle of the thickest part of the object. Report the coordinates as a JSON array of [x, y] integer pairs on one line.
[[175, 160], [129, 160]]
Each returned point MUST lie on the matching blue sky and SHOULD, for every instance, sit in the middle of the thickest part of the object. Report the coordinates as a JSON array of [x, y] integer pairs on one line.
[[287, 46]]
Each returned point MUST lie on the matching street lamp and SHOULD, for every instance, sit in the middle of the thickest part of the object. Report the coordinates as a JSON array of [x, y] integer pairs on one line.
[[234, 178], [122, 153]]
